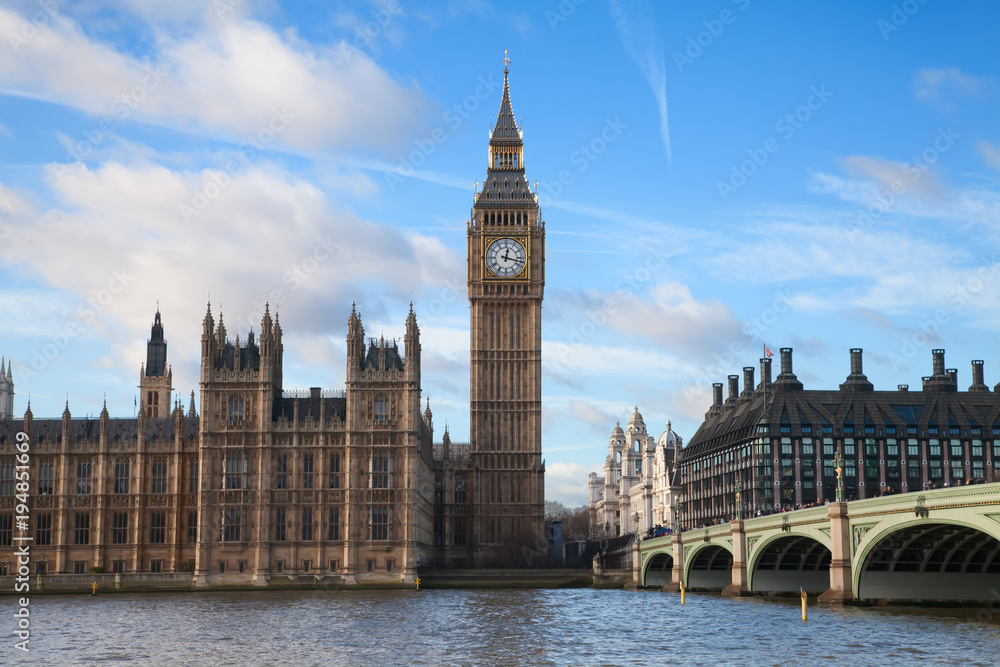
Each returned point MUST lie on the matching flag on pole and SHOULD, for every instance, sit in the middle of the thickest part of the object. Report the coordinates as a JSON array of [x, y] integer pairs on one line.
[[767, 352]]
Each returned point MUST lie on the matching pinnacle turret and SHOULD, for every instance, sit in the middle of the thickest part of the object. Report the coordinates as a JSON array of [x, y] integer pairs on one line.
[[208, 324]]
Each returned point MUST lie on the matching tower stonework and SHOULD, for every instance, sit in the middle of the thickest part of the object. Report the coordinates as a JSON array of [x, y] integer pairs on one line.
[[155, 377], [6, 390], [506, 279]]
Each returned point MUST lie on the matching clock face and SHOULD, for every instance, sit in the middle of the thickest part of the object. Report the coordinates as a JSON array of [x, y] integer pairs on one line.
[[506, 258]]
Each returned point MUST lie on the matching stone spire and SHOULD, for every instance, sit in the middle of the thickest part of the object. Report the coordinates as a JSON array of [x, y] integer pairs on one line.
[[505, 186], [191, 411], [156, 349], [28, 417], [6, 390]]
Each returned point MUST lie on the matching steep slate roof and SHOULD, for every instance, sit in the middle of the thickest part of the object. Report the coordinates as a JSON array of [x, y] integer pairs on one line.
[[939, 404], [89, 430]]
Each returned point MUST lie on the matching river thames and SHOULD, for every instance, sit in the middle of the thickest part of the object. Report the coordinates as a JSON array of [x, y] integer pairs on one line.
[[494, 627]]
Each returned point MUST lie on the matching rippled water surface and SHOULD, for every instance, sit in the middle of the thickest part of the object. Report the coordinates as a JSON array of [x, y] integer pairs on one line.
[[504, 627]]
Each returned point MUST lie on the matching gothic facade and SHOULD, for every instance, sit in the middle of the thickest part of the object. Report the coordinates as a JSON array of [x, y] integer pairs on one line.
[[344, 484]]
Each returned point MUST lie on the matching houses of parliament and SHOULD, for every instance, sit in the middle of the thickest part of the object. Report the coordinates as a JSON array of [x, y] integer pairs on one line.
[[346, 484]]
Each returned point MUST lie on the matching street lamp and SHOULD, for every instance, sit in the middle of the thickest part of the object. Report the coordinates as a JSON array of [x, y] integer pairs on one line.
[[121, 564], [838, 462], [739, 504], [636, 519]]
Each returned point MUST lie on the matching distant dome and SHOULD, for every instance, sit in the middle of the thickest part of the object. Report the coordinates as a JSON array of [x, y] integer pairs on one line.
[[617, 432], [668, 438]]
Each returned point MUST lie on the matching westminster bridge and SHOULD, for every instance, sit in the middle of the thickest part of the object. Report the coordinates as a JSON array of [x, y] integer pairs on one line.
[[941, 544]]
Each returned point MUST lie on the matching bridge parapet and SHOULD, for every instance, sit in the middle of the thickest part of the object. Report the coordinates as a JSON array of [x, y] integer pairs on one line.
[[849, 531]]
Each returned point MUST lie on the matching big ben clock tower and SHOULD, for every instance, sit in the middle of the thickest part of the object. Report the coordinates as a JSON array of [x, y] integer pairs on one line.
[[506, 276]]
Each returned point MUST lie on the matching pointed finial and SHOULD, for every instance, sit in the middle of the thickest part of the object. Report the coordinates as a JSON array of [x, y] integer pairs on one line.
[[506, 61]]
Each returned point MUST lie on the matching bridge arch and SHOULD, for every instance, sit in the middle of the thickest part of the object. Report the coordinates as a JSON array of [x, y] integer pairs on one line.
[[658, 569], [786, 562], [928, 559], [709, 565]]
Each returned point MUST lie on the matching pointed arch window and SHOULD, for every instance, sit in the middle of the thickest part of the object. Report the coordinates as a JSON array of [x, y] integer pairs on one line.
[[381, 409], [235, 472]]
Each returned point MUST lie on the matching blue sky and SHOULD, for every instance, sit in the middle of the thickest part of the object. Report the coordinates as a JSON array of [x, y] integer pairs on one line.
[[714, 176]]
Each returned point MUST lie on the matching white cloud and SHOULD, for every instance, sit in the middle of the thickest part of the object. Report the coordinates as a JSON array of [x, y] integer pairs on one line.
[[229, 80], [667, 315], [266, 233], [567, 483], [895, 176], [990, 154], [641, 42], [938, 83]]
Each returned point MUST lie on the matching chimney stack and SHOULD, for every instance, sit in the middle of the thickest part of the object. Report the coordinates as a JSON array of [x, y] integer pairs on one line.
[[734, 387], [938, 356], [857, 381], [765, 372], [856, 365], [786, 379], [716, 394], [977, 377], [786, 360], [748, 383], [941, 379], [904, 387]]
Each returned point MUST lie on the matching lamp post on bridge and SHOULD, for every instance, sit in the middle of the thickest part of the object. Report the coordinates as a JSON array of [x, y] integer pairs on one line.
[[838, 462], [636, 519], [739, 495]]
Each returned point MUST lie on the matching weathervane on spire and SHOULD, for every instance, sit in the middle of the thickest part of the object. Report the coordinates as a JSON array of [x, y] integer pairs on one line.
[[506, 60]]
